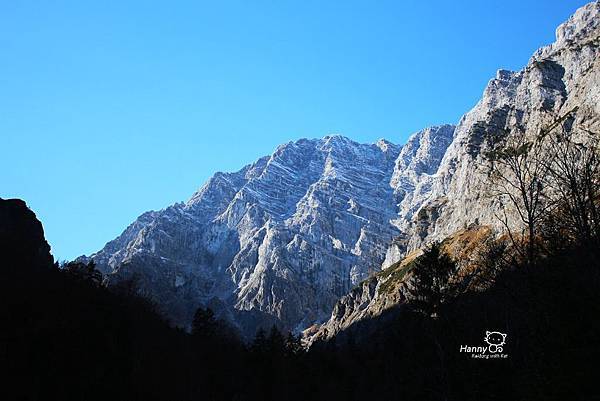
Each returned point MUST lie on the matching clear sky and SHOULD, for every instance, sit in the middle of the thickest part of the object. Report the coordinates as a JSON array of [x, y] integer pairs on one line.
[[112, 108]]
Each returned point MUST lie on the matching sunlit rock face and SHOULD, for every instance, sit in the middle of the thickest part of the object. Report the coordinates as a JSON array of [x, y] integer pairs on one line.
[[412, 180], [282, 239], [560, 79]]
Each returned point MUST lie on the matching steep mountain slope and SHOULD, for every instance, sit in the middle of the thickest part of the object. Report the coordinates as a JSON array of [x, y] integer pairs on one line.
[[413, 177], [282, 239], [560, 79], [389, 288], [22, 237]]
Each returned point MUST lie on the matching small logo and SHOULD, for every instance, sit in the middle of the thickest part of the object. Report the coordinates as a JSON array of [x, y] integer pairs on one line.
[[495, 341]]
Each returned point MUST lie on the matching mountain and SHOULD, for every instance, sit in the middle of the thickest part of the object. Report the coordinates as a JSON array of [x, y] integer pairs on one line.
[[413, 177], [279, 241], [22, 237], [389, 289], [560, 80]]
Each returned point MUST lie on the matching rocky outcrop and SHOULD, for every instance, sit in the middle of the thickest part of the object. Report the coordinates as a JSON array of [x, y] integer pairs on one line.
[[413, 178], [562, 78], [389, 288], [22, 242], [282, 239]]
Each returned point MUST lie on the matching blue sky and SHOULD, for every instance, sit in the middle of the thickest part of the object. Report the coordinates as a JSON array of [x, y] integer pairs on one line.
[[110, 109]]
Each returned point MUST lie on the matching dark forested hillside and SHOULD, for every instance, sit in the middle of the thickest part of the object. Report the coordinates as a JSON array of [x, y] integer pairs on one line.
[[66, 337]]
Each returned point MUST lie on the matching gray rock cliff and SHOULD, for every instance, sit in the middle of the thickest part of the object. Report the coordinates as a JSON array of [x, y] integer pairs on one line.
[[282, 239], [559, 79]]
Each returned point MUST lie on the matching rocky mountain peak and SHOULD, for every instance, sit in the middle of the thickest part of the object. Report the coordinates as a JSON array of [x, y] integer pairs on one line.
[[580, 25], [282, 239], [279, 240], [562, 78]]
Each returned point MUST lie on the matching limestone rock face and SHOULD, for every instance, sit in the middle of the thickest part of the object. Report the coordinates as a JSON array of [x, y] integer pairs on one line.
[[562, 78], [413, 178], [282, 239], [558, 79]]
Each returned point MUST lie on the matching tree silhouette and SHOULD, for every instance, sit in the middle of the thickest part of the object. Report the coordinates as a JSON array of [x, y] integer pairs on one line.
[[518, 173], [429, 285], [574, 177], [276, 340], [259, 344], [204, 323], [293, 344], [84, 271]]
